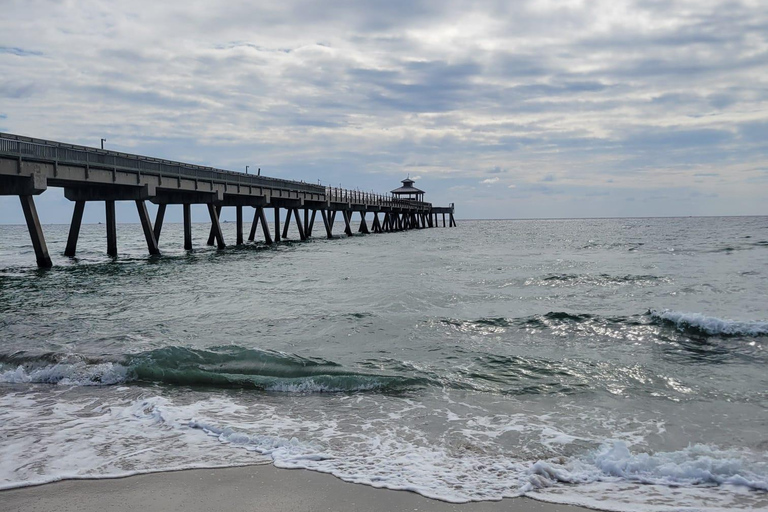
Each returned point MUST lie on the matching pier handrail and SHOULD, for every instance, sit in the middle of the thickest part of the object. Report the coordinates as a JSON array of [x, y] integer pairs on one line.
[[340, 195], [20, 146], [30, 148]]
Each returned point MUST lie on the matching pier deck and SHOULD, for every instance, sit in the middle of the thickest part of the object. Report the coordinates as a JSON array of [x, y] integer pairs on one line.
[[29, 166]]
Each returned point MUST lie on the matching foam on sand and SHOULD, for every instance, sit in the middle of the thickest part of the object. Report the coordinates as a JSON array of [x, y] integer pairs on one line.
[[82, 437]]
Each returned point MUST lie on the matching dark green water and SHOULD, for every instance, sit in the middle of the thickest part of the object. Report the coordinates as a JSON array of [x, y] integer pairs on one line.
[[616, 363]]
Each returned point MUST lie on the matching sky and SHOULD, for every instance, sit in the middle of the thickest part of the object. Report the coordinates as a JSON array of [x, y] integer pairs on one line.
[[510, 109]]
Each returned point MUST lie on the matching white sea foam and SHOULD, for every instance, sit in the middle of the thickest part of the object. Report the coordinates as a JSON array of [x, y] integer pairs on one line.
[[313, 385], [711, 325], [692, 466], [67, 374], [397, 462], [80, 436]]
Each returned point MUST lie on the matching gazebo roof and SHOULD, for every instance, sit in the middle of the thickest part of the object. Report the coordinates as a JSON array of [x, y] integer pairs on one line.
[[407, 188]]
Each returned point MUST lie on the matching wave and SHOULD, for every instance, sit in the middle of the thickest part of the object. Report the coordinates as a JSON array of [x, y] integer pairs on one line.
[[701, 325], [596, 280], [217, 367], [67, 374], [432, 471], [695, 324], [693, 466]]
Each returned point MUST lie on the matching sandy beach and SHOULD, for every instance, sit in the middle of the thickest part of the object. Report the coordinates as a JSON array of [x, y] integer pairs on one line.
[[251, 488]]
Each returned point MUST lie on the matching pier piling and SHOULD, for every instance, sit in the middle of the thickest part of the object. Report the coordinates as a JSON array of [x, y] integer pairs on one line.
[[311, 223], [302, 234], [347, 216], [239, 225], [264, 226], [159, 220], [212, 235], [146, 225], [74, 229], [254, 225], [187, 226], [111, 228], [214, 211], [35, 231], [326, 224], [277, 223], [28, 166]]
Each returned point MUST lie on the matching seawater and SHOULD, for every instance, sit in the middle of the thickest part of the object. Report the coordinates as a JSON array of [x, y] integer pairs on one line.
[[614, 363]]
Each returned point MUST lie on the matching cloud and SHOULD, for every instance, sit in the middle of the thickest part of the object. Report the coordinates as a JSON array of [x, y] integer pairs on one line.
[[617, 94], [19, 52]]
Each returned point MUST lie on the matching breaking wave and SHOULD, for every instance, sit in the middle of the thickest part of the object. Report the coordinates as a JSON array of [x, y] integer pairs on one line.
[[693, 466], [218, 367], [698, 324]]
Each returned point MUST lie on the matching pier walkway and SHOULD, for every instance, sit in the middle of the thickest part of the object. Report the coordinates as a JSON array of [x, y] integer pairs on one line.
[[29, 166]]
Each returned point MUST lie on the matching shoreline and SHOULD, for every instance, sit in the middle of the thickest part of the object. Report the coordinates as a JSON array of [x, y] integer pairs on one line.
[[261, 487]]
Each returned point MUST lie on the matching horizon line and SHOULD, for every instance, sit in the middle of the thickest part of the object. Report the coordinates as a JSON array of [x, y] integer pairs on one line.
[[469, 219]]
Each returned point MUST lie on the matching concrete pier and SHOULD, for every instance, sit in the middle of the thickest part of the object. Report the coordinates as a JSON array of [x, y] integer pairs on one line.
[[29, 166]]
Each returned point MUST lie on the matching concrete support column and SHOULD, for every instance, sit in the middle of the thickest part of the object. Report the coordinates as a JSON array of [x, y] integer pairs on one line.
[[74, 229], [347, 227], [239, 210], [328, 229], [146, 225], [111, 228], [288, 214], [264, 226], [187, 226], [277, 223], [254, 225], [159, 221], [363, 225], [212, 234], [302, 234], [311, 224], [216, 226], [35, 232]]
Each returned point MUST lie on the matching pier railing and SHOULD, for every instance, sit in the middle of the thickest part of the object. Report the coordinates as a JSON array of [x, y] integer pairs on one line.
[[29, 148], [340, 195], [61, 153], [49, 151]]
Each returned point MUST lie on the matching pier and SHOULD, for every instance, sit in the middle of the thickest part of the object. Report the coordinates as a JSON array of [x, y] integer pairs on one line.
[[29, 166]]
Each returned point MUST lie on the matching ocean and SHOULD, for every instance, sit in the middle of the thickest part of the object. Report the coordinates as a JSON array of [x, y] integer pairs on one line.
[[613, 363]]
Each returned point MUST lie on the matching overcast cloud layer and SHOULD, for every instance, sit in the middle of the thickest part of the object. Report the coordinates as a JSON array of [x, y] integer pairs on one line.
[[510, 109]]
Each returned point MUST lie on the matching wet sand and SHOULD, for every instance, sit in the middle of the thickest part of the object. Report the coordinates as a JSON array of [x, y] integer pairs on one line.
[[250, 488]]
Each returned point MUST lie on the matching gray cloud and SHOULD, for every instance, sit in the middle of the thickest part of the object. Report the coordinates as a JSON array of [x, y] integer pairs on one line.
[[19, 52], [606, 97]]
